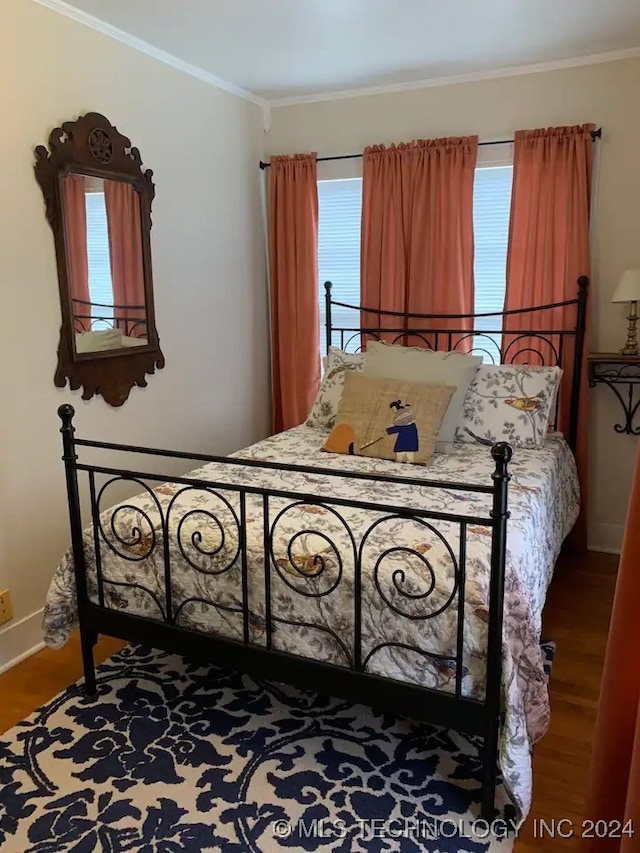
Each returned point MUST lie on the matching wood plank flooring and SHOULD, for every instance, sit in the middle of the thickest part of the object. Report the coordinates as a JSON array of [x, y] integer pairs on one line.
[[576, 617], [41, 677]]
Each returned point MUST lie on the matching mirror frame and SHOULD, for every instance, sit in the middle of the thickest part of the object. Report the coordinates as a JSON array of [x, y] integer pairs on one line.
[[91, 145]]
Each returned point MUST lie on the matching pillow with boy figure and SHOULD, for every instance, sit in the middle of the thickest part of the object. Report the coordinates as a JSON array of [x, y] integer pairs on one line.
[[389, 419]]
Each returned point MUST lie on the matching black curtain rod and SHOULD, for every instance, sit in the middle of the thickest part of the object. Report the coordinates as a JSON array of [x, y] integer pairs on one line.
[[595, 134]]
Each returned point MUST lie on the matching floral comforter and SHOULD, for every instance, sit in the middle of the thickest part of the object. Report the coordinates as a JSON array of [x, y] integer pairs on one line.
[[408, 567]]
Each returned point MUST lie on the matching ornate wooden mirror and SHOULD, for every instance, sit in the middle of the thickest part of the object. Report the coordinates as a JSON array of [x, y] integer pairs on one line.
[[98, 203]]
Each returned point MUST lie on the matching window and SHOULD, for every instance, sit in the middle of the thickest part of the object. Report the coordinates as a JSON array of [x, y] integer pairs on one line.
[[339, 215], [100, 285], [491, 208], [340, 207]]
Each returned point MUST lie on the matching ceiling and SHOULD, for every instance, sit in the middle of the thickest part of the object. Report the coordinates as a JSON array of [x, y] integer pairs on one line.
[[286, 48]]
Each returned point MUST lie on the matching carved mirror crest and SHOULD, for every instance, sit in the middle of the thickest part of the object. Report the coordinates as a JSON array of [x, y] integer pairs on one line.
[[98, 203]]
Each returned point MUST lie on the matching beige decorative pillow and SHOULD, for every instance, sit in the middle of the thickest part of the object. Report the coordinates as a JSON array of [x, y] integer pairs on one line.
[[388, 418], [422, 365]]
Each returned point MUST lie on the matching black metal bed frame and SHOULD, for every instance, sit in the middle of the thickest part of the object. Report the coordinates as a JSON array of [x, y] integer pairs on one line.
[[84, 318], [352, 681], [422, 327]]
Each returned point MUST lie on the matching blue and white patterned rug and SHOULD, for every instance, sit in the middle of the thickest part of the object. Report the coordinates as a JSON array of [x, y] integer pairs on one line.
[[176, 757]]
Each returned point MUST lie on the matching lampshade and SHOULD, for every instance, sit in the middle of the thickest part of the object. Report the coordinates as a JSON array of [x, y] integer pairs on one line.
[[629, 288]]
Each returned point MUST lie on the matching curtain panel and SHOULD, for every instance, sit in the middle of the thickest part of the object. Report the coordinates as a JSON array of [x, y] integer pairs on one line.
[[548, 251], [417, 233], [614, 781], [75, 229], [125, 252], [295, 313]]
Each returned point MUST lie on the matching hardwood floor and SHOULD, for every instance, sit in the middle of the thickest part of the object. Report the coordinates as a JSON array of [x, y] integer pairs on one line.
[[576, 617], [41, 677]]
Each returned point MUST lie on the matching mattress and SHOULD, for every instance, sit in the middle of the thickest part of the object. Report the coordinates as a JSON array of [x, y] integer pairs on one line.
[[408, 567]]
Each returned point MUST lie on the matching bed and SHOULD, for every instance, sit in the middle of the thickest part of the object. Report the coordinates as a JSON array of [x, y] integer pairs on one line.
[[91, 319], [341, 573]]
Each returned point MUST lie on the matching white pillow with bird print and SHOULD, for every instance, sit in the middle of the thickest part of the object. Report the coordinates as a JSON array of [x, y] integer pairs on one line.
[[509, 402], [325, 408]]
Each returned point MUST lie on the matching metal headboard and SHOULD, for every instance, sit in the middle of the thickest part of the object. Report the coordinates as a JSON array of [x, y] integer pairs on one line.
[[130, 323], [439, 332]]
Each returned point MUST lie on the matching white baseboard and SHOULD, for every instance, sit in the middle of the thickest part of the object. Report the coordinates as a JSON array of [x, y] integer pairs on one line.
[[606, 538], [21, 640]]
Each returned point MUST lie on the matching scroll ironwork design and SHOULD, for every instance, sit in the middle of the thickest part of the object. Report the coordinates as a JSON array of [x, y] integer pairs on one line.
[[142, 588], [404, 336], [509, 358], [400, 582], [309, 566], [194, 599], [613, 374], [431, 657], [202, 532], [346, 344], [139, 544], [476, 349], [296, 623]]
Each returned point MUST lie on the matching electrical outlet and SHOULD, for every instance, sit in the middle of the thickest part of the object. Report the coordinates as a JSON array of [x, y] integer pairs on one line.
[[6, 610]]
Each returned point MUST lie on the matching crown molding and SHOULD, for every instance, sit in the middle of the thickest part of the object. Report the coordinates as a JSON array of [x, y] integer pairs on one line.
[[454, 80], [156, 53]]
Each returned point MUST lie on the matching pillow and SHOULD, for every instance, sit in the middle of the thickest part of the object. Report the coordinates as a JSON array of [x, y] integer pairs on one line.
[[325, 408], [509, 402], [98, 341], [454, 369], [388, 419], [134, 342]]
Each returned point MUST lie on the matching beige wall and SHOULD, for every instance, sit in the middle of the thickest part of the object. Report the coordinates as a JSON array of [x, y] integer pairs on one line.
[[208, 264], [606, 94]]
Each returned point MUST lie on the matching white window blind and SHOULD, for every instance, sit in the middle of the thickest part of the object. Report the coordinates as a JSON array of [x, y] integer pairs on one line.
[[340, 210], [491, 207], [339, 215], [100, 286]]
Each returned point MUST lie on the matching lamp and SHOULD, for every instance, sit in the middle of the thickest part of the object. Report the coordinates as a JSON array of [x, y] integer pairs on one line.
[[629, 291]]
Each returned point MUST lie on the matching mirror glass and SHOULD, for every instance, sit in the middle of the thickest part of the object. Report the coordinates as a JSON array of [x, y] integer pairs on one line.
[[103, 241]]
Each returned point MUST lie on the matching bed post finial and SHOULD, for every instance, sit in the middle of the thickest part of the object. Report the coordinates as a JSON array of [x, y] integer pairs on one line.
[[66, 413], [502, 454]]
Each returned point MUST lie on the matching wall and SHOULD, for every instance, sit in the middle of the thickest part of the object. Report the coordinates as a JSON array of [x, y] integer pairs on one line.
[[208, 264], [494, 109]]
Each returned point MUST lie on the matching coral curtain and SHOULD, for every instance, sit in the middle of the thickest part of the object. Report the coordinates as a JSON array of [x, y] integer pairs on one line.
[[417, 235], [75, 229], [548, 252], [122, 203], [295, 313], [614, 780]]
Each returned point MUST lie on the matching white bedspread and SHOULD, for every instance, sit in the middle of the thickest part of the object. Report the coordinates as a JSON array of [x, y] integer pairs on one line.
[[314, 554]]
